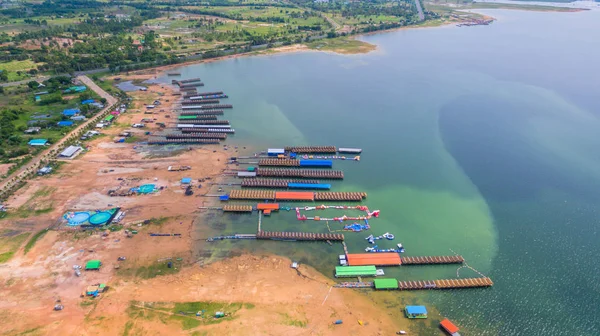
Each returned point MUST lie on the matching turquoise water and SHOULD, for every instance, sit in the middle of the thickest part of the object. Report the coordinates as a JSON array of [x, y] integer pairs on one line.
[[479, 140]]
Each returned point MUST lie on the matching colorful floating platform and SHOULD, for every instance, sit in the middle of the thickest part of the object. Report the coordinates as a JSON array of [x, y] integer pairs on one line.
[[272, 183], [300, 173], [295, 195], [299, 236]]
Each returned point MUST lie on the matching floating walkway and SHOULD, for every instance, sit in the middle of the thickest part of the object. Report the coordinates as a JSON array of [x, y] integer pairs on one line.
[[189, 80], [268, 183], [302, 236], [203, 101], [204, 135], [199, 113], [199, 97], [237, 208], [433, 260], [295, 195], [311, 149], [354, 284], [445, 284], [205, 122], [206, 107], [197, 117], [165, 141], [300, 173], [206, 130], [202, 126], [237, 236], [296, 163]]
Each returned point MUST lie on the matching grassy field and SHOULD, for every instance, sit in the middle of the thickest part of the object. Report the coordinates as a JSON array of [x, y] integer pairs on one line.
[[10, 241], [33, 240], [18, 65], [152, 270], [342, 45]]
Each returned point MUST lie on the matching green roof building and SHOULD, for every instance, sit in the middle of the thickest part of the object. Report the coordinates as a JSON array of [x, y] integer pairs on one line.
[[93, 265], [109, 118], [355, 271], [386, 283]]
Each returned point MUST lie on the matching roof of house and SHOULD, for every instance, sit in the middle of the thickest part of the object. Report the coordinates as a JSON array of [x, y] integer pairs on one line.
[[386, 283], [93, 264], [34, 142], [70, 112], [416, 310], [65, 123], [70, 151]]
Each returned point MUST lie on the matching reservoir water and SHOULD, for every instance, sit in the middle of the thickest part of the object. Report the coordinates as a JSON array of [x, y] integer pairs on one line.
[[484, 141]]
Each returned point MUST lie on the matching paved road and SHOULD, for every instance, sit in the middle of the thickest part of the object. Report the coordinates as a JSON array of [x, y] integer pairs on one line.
[[420, 10], [110, 101]]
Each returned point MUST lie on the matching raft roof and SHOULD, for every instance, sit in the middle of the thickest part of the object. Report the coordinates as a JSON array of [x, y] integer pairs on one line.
[[386, 283], [355, 271], [377, 259]]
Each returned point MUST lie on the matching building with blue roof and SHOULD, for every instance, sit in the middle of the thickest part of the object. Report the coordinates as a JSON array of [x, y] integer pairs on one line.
[[70, 112], [37, 142], [65, 123], [87, 101], [415, 312]]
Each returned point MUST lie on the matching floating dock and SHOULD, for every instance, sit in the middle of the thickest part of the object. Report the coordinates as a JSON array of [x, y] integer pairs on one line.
[[377, 259], [197, 117], [197, 136], [206, 130], [160, 141], [300, 173], [311, 149], [192, 85], [296, 163], [446, 284], [206, 107], [212, 96], [349, 150], [202, 126], [268, 183], [237, 208], [310, 196], [203, 101], [205, 122], [189, 80], [433, 260], [355, 271], [205, 112], [302, 236]]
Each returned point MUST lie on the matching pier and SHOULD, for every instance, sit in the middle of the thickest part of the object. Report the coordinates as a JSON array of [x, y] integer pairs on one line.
[[301, 173], [196, 101], [189, 80], [340, 196], [205, 122], [206, 130], [212, 96], [206, 107], [205, 112], [237, 208], [279, 162], [197, 117], [311, 149], [301, 236], [308, 196], [159, 141], [221, 136], [432, 260], [268, 183], [445, 284]]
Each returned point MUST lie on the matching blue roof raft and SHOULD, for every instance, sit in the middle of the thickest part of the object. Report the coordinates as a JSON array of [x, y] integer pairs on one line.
[[416, 310], [316, 163], [309, 186]]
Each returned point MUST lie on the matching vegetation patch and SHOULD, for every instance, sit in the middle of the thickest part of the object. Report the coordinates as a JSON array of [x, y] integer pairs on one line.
[[33, 240], [288, 320], [342, 45], [10, 241], [152, 270]]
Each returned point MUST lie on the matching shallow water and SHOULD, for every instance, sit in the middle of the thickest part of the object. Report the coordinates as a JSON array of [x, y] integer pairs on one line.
[[479, 140]]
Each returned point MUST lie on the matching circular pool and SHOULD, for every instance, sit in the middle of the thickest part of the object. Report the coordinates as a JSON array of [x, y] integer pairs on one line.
[[78, 218], [100, 218]]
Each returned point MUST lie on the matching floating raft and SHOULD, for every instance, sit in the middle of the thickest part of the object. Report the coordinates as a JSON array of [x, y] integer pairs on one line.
[[445, 284], [340, 196], [237, 208], [198, 117], [349, 150], [206, 107], [296, 163], [432, 260], [205, 97], [354, 284], [268, 183], [197, 136], [377, 259], [189, 80], [300, 173], [206, 122], [197, 127], [204, 101], [311, 149], [182, 141], [210, 93], [206, 130], [300, 236], [252, 194], [199, 113], [192, 85]]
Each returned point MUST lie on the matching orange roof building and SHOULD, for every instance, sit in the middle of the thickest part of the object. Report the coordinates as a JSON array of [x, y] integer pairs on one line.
[[267, 206], [294, 196], [377, 259]]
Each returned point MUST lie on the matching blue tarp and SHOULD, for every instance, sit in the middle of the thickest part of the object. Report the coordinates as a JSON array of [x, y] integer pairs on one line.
[[309, 186], [186, 180], [65, 123], [88, 101], [70, 112], [416, 310], [224, 198], [316, 163]]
